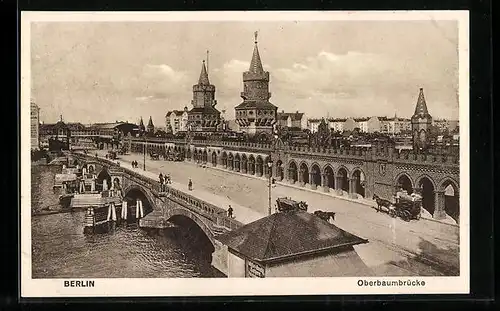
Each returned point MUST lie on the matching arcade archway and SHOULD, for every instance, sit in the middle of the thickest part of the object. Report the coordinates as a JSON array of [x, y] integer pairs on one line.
[[304, 173], [279, 170], [214, 159], [343, 182], [404, 182], [237, 162], [293, 172], [224, 159], [451, 199], [243, 165], [428, 194], [329, 176], [230, 161], [359, 182], [259, 166], [316, 175], [251, 165]]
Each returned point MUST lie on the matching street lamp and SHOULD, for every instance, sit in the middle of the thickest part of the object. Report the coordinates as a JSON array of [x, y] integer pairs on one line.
[[144, 153], [270, 165]]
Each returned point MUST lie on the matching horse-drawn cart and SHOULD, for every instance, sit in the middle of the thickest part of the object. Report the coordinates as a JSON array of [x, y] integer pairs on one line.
[[406, 207], [154, 156]]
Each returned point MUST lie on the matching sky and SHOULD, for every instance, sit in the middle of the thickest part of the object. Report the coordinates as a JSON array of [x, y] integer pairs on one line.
[[107, 71]]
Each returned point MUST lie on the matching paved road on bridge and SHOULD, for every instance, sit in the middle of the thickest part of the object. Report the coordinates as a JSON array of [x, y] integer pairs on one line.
[[396, 247]]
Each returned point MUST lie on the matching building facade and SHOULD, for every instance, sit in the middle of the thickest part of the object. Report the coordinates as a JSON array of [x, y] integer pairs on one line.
[[176, 121], [337, 124], [35, 126], [292, 120], [256, 115]]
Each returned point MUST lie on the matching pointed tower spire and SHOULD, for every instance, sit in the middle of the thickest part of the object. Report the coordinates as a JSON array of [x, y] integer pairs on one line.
[[150, 123], [203, 75], [256, 63], [421, 108]]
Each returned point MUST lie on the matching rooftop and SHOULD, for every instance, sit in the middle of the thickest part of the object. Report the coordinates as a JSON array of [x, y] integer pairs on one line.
[[286, 235]]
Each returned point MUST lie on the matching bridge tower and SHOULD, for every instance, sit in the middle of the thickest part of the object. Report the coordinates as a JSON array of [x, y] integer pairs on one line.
[[204, 116], [151, 127], [256, 114], [421, 122], [142, 128]]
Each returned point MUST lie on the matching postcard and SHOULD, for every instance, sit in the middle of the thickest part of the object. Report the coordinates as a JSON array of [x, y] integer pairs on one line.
[[244, 153]]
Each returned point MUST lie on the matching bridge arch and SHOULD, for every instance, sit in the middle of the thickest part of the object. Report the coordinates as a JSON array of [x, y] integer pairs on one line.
[[133, 192], [179, 215], [101, 177]]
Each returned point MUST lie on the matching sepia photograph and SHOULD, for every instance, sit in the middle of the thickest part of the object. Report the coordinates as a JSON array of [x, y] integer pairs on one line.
[[218, 153]]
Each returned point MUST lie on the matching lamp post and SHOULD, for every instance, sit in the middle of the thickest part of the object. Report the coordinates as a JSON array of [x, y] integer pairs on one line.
[[144, 154], [270, 165]]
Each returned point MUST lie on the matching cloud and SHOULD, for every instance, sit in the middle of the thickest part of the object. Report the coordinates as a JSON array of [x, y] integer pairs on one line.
[[173, 76]]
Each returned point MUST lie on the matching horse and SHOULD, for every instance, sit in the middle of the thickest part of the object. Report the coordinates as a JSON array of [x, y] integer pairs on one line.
[[381, 203], [303, 205], [325, 215]]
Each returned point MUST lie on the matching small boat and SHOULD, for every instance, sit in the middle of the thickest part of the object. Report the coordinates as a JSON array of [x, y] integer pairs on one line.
[[65, 199]]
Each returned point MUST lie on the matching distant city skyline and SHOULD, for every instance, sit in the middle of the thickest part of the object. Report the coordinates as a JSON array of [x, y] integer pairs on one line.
[[101, 71]]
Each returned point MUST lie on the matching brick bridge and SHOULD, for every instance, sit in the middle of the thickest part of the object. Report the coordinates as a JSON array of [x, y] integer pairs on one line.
[[354, 172], [160, 207]]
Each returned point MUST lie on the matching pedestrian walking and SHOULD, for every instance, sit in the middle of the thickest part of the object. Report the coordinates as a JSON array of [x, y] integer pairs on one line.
[[160, 177], [230, 212], [190, 185]]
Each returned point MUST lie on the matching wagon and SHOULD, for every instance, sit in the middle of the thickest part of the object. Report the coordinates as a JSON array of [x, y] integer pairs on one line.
[[155, 156], [407, 209]]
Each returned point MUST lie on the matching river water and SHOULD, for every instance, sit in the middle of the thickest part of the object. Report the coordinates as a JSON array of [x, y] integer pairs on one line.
[[60, 249]]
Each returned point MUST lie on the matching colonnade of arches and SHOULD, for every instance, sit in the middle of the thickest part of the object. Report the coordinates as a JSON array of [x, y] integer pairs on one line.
[[438, 199], [327, 178]]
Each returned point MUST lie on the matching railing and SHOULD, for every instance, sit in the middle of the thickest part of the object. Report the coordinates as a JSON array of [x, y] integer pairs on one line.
[[212, 212]]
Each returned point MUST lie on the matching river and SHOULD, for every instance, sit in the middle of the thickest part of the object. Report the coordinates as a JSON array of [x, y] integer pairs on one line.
[[60, 249]]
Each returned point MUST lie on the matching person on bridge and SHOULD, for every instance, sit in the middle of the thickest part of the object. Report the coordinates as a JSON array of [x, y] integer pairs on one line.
[[169, 180], [190, 185], [230, 212], [160, 177]]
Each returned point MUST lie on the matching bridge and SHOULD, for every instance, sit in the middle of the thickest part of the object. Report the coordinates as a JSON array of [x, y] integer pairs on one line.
[[356, 172], [171, 204]]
